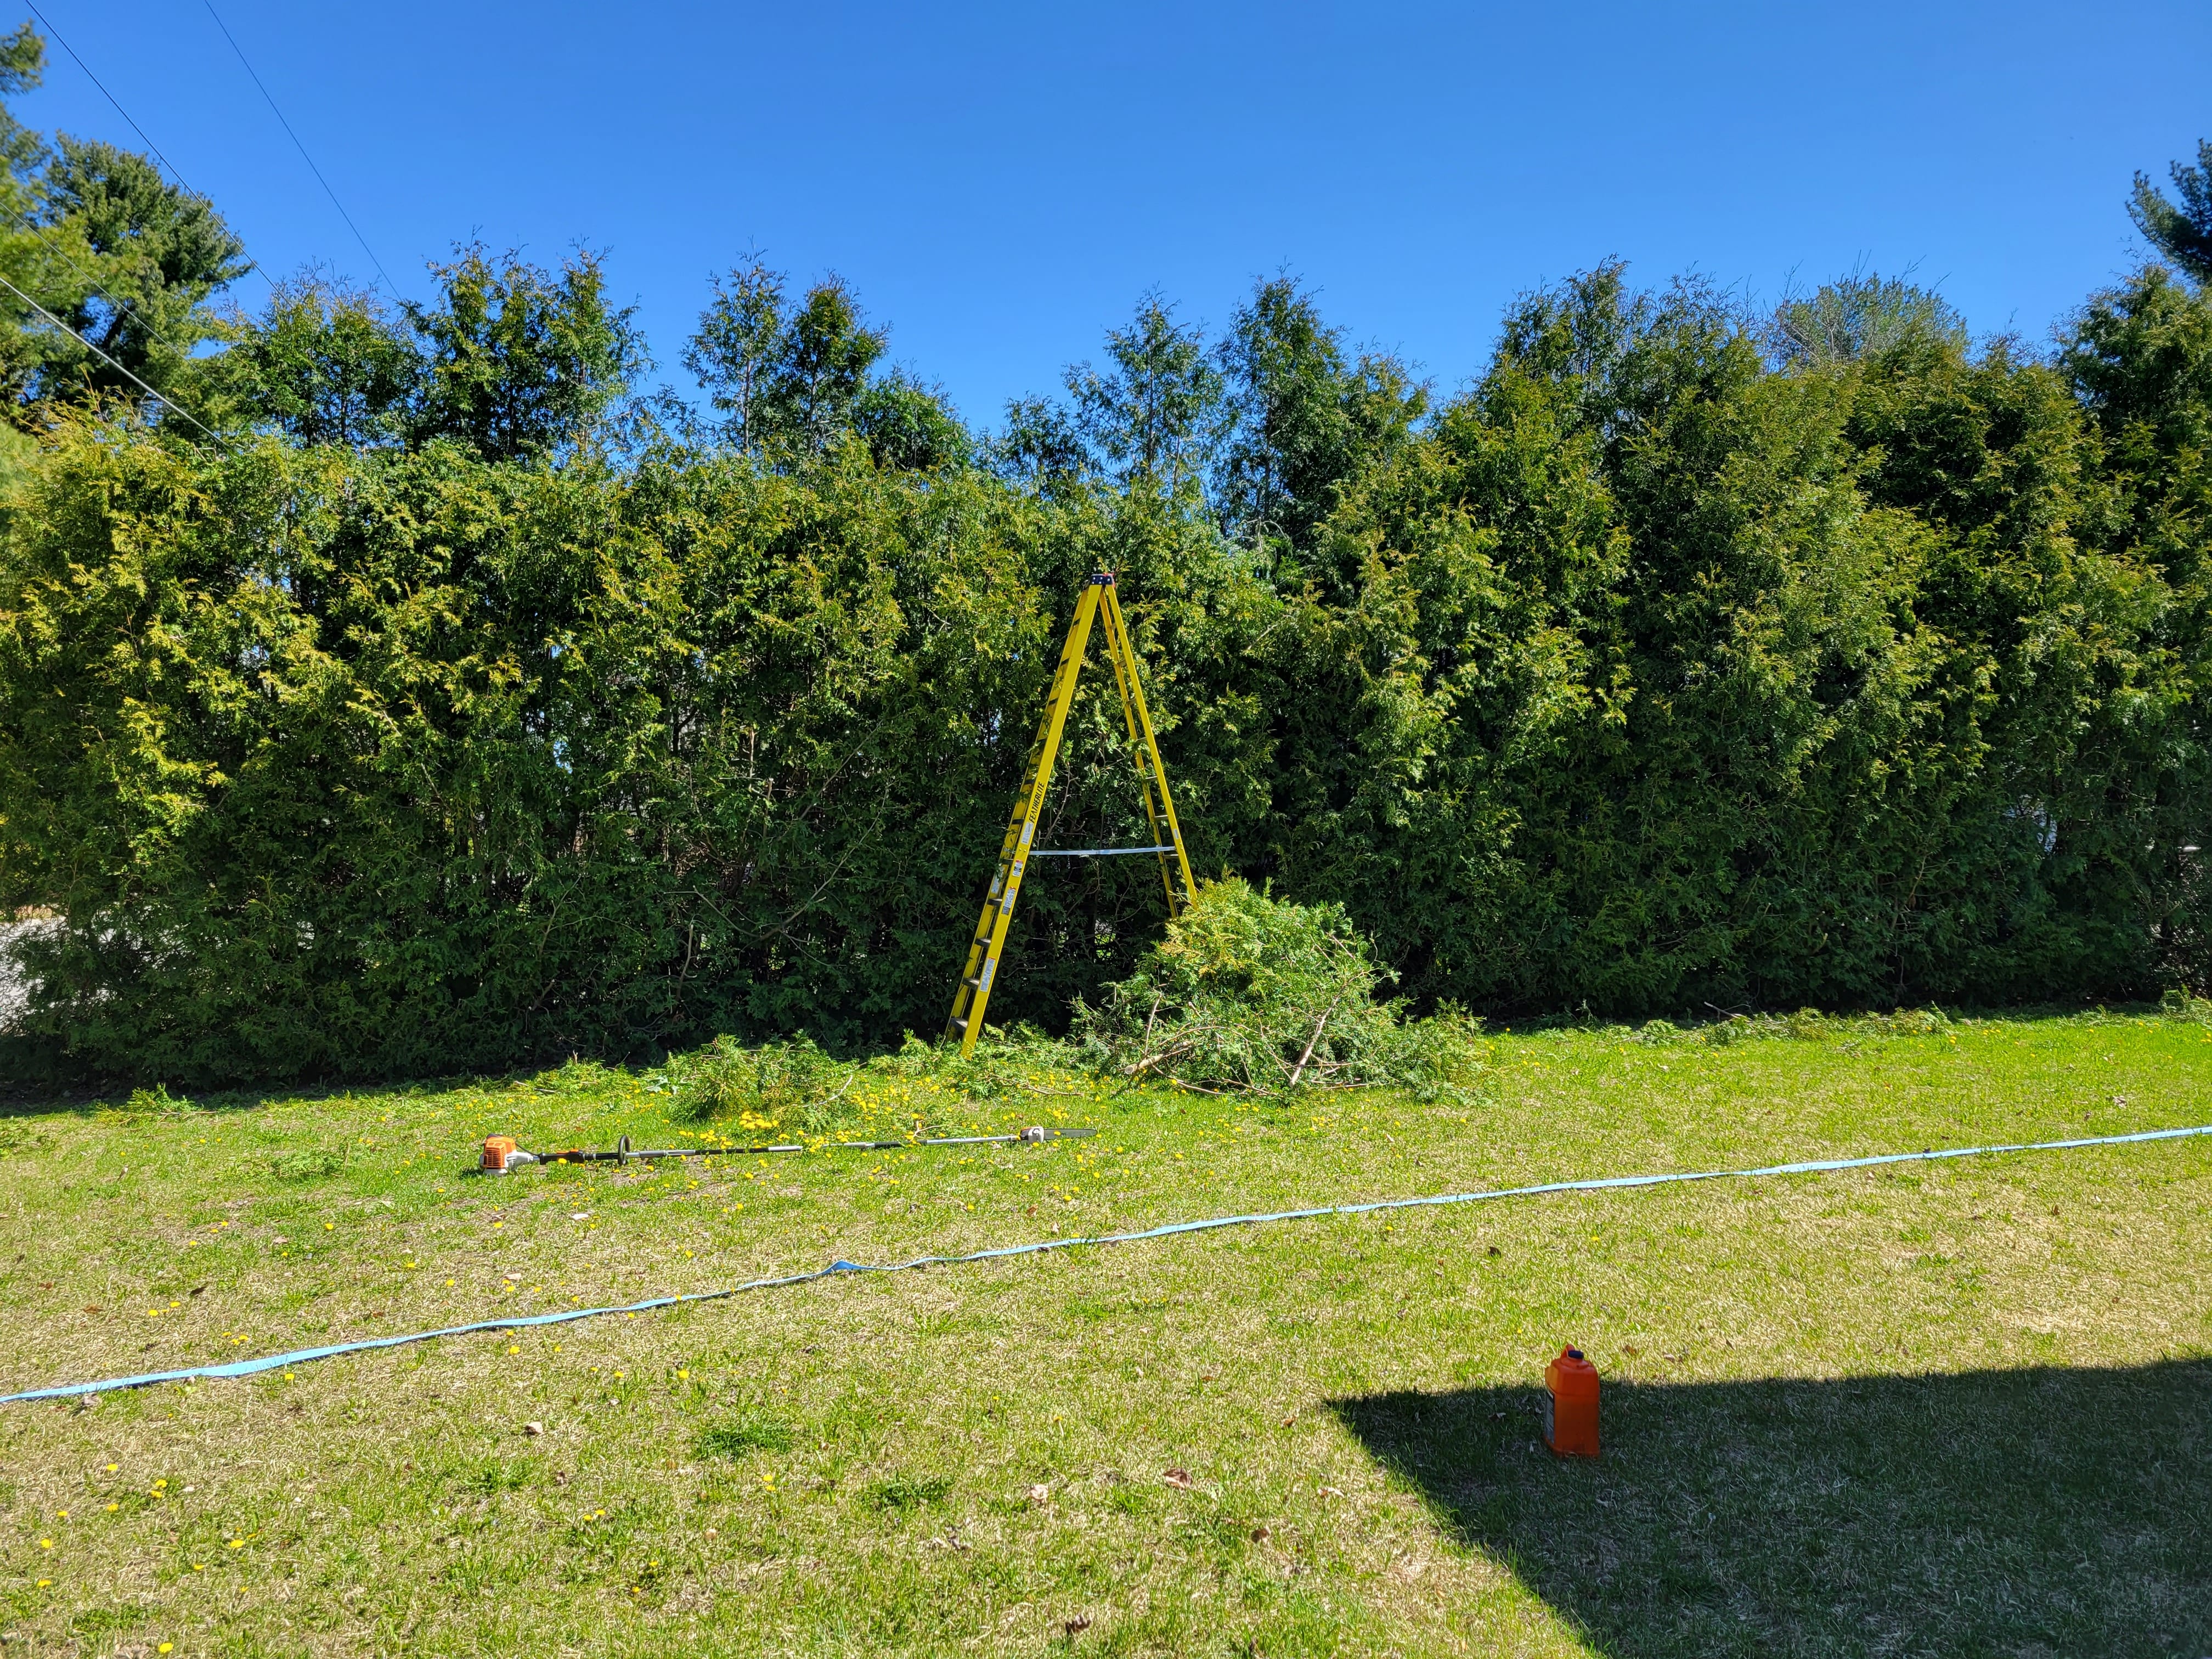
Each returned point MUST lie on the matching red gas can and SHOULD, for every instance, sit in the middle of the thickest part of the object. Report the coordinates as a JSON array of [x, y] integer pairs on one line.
[[1571, 1405]]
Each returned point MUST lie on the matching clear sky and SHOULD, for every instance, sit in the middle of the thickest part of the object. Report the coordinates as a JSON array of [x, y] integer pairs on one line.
[[1000, 183]]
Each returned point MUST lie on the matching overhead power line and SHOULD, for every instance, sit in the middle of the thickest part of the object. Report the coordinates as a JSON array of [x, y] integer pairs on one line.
[[391, 285], [108, 95], [143, 136], [122, 304], [159, 398]]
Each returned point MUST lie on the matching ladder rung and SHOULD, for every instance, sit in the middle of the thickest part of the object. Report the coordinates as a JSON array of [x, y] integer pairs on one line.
[[1099, 852]]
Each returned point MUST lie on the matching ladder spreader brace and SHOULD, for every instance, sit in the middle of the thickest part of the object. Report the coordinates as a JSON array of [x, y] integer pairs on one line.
[[1099, 604]]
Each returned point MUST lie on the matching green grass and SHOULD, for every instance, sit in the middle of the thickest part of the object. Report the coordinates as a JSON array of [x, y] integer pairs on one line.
[[1960, 1408]]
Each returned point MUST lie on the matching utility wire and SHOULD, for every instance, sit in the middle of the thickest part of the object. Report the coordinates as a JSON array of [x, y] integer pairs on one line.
[[182, 183], [108, 95], [125, 305], [302, 148], [157, 396]]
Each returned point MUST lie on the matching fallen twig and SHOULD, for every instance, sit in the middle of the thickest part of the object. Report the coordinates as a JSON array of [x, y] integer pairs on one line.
[[1300, 1070]]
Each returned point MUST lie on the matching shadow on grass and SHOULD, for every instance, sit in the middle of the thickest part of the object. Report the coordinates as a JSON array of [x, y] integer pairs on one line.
[[2027, 1512]]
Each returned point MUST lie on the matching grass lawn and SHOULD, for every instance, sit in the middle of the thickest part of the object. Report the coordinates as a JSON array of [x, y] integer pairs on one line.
[[1962, 1408]]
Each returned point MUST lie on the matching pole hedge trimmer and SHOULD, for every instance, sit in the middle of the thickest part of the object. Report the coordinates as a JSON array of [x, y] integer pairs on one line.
[[502, 1155]]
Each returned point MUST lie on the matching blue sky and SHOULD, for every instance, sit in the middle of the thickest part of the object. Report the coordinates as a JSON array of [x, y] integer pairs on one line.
[[1000, 184]]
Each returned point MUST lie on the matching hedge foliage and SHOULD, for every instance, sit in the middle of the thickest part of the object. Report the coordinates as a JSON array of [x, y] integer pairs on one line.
[[1657, 670]]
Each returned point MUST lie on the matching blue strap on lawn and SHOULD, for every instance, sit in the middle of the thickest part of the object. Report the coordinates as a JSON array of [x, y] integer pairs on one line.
[[1818, 1166]]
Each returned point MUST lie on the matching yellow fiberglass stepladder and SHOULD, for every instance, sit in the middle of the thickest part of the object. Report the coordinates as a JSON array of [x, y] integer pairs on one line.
[[1098, 604]]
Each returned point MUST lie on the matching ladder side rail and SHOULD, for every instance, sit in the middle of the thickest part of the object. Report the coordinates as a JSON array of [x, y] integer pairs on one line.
[[1118, 651], [1063, 694], [967, 972], [1152, 747], [956, 1022], [971, 971]]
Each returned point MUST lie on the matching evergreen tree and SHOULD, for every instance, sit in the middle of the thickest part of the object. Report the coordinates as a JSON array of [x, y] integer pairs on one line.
[[825, 354], [1306, 420], [1157, 414], [323, 364], [520, 362], [1862, 316], [792, 382], [113, 265], [739, 337], [2181, 231], [151, 255]]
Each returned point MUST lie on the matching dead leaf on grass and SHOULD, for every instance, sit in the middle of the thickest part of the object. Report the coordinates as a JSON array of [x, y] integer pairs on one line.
[[1179, 1479]]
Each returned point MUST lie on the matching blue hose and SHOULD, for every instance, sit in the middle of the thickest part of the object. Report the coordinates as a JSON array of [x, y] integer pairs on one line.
[[1819, 1166]]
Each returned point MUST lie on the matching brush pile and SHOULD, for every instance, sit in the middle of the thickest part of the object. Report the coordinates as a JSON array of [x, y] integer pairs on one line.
[[1249, 994]]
